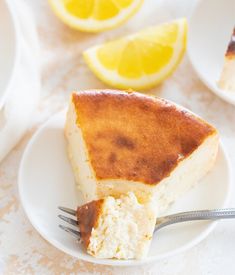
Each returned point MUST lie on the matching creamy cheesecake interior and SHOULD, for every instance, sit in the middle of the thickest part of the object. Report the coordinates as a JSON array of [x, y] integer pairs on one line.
[[177, 159], [117, 228]]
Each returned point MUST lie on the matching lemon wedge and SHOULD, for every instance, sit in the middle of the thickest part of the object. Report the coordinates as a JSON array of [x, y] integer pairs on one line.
[[140, 60], [94, 15]]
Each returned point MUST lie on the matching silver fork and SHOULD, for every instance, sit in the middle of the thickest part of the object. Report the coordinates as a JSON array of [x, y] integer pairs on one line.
[[74, 233], [216, 214]]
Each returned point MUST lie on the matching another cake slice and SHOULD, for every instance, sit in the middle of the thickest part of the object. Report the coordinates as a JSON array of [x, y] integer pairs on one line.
[[117, 228], [120, 142], [227, 78]]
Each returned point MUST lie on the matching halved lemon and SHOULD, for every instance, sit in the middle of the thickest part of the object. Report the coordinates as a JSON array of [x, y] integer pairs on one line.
[[140, 60], [94, 15]]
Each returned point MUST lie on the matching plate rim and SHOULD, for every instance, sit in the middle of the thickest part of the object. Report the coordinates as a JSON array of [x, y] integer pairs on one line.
[[213, 88], [112, 262]]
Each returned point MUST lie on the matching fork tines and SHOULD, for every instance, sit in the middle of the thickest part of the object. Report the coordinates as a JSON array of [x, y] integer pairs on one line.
[[68, 210], [74, 233], [71, 231], [68, 220]]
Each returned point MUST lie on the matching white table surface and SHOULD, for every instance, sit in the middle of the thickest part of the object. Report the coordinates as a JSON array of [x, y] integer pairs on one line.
[[22, 249]]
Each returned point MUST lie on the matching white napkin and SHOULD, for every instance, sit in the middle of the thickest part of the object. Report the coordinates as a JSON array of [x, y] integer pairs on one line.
[[16, 114]]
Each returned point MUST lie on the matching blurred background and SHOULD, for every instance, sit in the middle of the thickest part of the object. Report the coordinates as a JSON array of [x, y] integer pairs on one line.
[[60, 69]]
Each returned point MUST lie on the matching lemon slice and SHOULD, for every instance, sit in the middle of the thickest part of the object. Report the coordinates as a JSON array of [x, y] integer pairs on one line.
[[141, 60], [94, 15]]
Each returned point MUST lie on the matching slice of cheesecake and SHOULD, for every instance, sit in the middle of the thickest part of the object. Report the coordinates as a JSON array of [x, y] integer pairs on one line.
[[120, 142], [117, 228], [227, 78]]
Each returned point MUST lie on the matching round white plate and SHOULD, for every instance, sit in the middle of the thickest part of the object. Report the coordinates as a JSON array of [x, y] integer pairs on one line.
[[210, 30], [8, 49], [46, 182]]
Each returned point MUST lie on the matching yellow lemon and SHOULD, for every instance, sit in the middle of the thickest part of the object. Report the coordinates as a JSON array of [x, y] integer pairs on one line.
[[140, 60], [94, 15]]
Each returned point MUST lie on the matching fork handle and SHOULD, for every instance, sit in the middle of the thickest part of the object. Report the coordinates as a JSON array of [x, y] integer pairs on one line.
[[215, 214]]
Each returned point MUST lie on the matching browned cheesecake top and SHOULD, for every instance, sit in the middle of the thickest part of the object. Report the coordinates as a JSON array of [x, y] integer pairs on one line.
[[231, 47], [87, 216], [136, 137]]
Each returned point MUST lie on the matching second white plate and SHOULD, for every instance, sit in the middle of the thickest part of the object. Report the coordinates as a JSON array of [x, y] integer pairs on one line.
[[210, 29], [46, 181]]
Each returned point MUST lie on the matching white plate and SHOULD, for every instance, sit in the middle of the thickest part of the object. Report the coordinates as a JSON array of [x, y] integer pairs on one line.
[[46, 181], [210, 30], [8, 49]]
